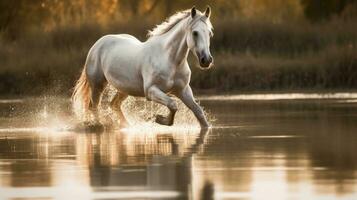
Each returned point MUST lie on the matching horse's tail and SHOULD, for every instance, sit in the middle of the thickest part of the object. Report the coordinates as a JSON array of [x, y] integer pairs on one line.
[[81, 95]]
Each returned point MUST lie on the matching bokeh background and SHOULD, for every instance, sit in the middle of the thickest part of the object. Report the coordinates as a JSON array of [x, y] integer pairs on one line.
[[257, 45]]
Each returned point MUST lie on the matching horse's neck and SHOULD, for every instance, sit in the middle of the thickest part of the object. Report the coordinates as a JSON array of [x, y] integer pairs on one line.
[[175, 43]]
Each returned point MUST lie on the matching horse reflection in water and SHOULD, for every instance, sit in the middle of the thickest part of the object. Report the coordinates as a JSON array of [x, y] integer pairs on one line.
[[143, 161]]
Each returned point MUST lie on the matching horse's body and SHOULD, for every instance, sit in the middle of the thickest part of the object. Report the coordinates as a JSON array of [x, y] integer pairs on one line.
[[116, 59], [151, 69]]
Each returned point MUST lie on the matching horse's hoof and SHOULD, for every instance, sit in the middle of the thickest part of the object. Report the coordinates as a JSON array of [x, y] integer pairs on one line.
[[205, 126], [123, 124], [163, 120], [93, 127], [87, 127]]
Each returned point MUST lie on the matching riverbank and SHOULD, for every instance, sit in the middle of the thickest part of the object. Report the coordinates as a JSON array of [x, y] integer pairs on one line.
[[254, 56]]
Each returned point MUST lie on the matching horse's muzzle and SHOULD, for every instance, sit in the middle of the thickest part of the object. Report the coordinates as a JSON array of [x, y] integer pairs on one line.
[[205, 61]]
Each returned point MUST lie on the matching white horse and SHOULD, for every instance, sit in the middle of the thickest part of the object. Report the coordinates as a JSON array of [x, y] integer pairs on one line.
[[156, 68]]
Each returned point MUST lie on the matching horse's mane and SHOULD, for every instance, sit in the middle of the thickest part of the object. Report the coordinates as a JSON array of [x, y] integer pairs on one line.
[[169, 23]]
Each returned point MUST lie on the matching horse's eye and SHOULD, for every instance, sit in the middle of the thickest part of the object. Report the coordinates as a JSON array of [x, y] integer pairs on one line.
[[195, 33]]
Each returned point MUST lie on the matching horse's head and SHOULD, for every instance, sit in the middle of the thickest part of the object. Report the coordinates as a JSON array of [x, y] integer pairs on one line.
[[199, 35]]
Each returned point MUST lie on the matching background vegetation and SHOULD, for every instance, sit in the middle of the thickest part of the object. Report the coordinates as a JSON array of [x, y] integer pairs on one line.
[[258, 44]]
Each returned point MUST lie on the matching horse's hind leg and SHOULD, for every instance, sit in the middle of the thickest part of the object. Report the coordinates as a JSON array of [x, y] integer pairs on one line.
[[95, 99], [115, 104], [97, 83]]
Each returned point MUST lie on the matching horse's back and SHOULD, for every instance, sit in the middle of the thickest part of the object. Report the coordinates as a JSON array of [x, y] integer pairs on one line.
[[110, 48], [126, 36], [108, 42], [121, 39]]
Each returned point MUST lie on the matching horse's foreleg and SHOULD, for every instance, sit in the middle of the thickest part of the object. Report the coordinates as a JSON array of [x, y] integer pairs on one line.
[[115, 104], [187, 98], [155, 94]]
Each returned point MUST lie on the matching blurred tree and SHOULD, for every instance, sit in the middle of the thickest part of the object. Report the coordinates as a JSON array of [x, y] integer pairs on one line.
[[20, 16], [16, 15], [9, 10], [318, 10], [350, 12], [271, 10]]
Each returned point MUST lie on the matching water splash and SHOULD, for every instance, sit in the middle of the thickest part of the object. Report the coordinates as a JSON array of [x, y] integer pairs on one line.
[[57, 114], [45, 113], [141, 113]]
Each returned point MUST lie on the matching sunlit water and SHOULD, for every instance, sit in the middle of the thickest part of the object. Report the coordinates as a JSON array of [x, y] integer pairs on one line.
[[301, 146]]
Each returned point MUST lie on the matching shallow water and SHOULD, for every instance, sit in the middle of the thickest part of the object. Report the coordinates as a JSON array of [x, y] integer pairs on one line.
[[279, 148]]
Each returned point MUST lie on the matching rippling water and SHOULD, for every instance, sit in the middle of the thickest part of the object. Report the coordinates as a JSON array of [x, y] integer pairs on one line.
[[301, 146]]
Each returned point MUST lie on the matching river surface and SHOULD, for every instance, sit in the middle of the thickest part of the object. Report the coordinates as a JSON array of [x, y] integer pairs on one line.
[[262, 146]]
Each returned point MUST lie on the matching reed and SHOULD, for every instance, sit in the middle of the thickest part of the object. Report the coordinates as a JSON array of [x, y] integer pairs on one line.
[[249, 55]]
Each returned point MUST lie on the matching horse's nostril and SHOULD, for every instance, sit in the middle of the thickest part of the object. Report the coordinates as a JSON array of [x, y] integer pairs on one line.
[[202, 60]]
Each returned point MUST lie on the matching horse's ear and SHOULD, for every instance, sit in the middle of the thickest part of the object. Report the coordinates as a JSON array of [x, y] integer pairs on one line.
[[193, 11], [208, 11]]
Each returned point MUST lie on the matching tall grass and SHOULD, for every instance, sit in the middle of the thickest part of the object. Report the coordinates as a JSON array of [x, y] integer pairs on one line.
[[332, 68], [282, 39], [248, 56]]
